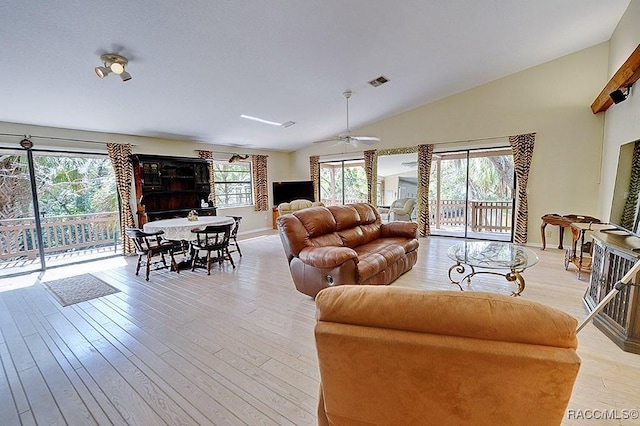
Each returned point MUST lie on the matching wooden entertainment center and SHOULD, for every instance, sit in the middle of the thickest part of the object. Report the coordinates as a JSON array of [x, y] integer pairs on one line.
[[168, 187], [614, 253]]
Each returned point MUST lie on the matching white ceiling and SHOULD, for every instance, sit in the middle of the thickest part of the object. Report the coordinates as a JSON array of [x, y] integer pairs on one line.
[[198, 65]]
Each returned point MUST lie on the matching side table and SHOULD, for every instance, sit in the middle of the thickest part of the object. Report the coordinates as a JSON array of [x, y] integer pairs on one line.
[[563, 222]]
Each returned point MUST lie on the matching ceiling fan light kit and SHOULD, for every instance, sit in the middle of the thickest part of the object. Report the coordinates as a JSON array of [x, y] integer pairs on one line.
[[347, 139], [113, 63]]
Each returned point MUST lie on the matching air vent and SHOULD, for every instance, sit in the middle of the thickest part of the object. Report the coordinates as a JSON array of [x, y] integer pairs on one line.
[[379, 81]]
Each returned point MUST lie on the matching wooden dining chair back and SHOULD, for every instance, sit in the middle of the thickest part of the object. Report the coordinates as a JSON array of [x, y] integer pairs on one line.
[[150, 245], [233, 241], [212, 239]]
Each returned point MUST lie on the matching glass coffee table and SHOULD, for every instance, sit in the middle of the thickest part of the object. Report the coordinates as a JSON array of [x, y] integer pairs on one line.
[[492, 257]]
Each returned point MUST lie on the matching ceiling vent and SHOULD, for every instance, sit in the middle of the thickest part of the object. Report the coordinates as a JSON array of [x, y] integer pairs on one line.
[[379, 81]]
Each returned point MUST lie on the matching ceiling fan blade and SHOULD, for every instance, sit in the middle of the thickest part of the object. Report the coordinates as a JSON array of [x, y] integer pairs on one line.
[[328, 140], [366, 138]]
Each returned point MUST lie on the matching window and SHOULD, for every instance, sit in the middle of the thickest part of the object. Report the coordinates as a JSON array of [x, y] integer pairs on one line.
[[232, 184], [343, 182]]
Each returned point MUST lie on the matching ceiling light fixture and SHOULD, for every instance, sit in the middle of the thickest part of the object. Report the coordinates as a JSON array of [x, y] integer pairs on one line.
[[113, 63], [273, 123]]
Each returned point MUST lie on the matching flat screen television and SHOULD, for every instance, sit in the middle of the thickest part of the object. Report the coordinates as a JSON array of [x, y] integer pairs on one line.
[[285, 192]]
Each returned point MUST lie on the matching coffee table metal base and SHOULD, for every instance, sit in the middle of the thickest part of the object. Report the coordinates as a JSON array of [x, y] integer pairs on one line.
[[511, 276]]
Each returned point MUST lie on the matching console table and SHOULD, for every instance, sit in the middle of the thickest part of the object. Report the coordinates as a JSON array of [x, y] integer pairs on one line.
[[614, 253], [563, 222]]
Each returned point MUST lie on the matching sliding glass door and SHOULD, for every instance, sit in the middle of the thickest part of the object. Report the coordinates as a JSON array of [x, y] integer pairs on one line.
[[472, 194], [76, 215], [19, 243], [343, 182]]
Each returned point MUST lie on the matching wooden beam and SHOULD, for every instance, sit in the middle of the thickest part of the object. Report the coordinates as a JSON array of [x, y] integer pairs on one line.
[[628, 74]]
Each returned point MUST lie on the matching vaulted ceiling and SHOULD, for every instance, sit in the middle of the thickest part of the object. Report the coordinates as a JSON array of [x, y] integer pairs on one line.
[[198, 65]]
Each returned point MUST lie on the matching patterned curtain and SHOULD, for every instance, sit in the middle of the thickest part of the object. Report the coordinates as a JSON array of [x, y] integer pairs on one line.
[[314, 173], [425, 153], [208, 155], [259, 163], [522, 146], [629, 212], [119, 156], [371, 169]]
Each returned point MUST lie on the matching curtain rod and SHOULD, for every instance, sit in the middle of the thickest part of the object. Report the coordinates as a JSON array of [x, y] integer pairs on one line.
[[22, 135], [477, 139]]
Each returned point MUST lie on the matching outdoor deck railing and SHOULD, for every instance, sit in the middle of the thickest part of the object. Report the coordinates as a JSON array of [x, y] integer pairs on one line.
[[484, 216], [59, 233]]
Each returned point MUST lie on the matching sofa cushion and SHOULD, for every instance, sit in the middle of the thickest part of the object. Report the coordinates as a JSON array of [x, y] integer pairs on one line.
[[316, 221], [376, 256], [346, 217]]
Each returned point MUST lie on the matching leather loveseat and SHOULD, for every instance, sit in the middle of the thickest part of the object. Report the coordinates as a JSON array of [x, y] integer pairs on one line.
[[336, 245]]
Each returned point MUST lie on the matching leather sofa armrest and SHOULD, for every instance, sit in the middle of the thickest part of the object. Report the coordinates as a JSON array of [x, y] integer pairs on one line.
[[399, 229], [327, 257]]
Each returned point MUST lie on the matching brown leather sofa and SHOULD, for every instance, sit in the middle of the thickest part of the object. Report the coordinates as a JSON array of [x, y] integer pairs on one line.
[[403, 356], [336, 245]]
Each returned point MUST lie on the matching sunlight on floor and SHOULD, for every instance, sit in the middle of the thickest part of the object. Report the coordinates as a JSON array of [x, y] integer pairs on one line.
[[27, 280], [82, 268], [16, 282]]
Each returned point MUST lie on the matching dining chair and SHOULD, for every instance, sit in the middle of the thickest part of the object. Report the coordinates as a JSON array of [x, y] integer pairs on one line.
[[234, 235], [150, 245], [212, 238]]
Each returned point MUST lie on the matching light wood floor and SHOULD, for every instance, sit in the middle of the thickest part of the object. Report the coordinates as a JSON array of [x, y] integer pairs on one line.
[[235, 347]]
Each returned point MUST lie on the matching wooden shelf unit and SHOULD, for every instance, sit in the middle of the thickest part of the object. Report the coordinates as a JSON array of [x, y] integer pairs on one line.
[[168, 187]]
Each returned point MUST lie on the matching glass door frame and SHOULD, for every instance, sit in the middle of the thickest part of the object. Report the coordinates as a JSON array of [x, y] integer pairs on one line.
[[467, 156], [31, 168], [342, 162]]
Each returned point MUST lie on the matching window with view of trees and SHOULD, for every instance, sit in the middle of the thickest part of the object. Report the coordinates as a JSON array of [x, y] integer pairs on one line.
[[233, 184], [343, 182]]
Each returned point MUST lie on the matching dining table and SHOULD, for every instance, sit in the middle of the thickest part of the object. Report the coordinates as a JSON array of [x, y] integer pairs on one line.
[[179, 229]]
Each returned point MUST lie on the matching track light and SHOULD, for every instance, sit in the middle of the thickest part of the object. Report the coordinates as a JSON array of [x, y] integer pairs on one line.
[[113, 63], [620, 95], [102, 72]]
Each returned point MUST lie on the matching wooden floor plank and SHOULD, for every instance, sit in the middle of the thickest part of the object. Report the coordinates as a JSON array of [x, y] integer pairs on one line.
[[8, 409], [71, 406], [235, 347], [41, 402]]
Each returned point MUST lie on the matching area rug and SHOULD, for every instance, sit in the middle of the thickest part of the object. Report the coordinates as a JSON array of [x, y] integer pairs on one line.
[[80, 288]]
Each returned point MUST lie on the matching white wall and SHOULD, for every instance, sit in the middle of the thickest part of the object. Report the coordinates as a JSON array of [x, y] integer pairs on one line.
[[622, 121], [278, 163], [552, 100]]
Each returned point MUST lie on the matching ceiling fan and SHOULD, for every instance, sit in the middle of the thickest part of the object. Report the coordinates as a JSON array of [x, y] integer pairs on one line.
[[347, 138]]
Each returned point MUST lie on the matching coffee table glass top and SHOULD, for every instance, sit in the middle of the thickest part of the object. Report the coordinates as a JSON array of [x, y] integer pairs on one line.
[[492, 255]]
